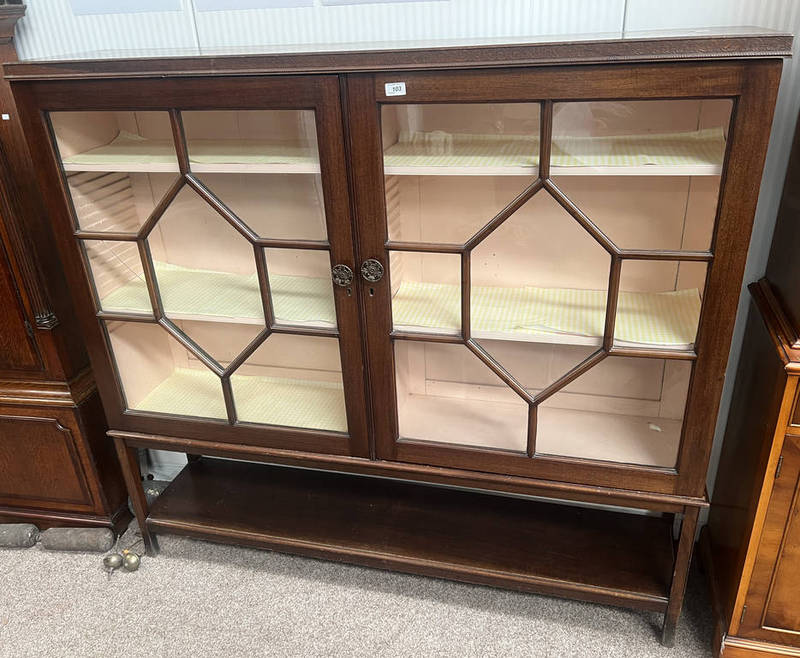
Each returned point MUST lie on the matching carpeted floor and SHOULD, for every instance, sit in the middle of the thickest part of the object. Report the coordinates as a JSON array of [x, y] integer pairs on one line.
[[201, 599]]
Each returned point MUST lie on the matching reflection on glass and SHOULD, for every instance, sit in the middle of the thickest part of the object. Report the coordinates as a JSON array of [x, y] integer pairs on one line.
[[254, 141], [465, 162], [293, 381], [114, 141], [158, 375], [445, 394], [110, 162], [624, 410], [118, 276], [676, 137], [494, 137], [286, 206]]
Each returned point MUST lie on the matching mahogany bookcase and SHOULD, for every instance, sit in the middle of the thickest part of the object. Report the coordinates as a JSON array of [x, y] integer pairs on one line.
[[513, 269]]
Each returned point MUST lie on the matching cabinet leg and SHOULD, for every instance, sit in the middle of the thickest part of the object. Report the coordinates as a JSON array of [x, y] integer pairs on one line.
[[680, 575], [129, 460]]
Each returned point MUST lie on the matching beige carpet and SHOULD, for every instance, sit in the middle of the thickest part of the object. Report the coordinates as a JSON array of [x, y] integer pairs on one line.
[[202, 599]]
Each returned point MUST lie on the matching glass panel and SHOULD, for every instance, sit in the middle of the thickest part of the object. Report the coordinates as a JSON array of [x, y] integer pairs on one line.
[[109, 160], [158, 375], [223, 341], [661, 163], [205, 268], [278, 206], [659, 304], [118, 276], [301, 288], [624, 410], [466, 162], [114, 141], [426, 292], [446, 394], [539, 280], [252, 141], [244, 145], [293, 381]]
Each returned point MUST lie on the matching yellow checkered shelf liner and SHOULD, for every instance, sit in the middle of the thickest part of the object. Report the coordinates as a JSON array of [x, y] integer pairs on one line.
[[259, 399], [440, 149], [130, 148], [665, 319], [195, 292]]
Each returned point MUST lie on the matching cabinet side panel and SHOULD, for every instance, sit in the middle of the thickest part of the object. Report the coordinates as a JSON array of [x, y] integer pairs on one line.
[[757, 396], [782, 266]]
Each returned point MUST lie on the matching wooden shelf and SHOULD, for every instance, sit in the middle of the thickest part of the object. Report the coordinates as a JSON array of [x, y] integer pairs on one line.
[[209, 296], [264, 400], [589, 554], [500, 424], [130, 153], [573, 317], [666, 320], [698, 153]]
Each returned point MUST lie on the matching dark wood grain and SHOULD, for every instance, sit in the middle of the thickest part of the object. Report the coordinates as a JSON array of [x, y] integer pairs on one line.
[[753, 543], [782, 270], [420, 473], [591, 554], [680, 575], [752, 118], [682, 48]]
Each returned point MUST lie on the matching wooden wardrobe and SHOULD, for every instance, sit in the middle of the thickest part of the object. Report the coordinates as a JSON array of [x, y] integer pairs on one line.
[[56, 465], [752, 542]]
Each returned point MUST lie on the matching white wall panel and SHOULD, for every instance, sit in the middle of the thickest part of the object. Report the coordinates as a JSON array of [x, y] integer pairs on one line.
[[50, 30], [370, 24]]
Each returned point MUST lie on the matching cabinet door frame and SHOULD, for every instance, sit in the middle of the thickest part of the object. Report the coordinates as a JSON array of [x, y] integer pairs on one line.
[[318, 93], [750, 85], [782, 515]]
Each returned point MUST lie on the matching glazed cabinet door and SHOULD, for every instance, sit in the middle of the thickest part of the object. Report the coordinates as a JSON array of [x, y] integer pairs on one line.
[[773, 598], [548, 277], [210, 242]]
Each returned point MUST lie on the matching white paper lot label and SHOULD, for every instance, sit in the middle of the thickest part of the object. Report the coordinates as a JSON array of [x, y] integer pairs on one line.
[[395, 88]]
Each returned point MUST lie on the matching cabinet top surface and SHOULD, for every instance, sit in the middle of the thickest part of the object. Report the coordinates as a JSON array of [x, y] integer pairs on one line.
[[696, 45]]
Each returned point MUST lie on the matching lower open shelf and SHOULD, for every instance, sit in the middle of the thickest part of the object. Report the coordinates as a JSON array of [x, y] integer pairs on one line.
[[590, 554]]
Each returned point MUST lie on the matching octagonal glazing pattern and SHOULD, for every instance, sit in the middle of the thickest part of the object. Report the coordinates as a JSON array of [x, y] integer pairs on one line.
[[572, 287]]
